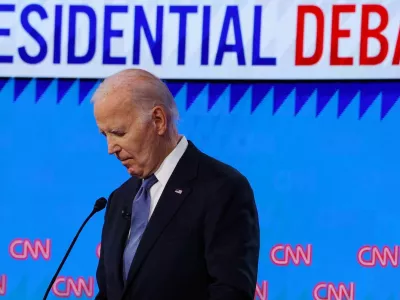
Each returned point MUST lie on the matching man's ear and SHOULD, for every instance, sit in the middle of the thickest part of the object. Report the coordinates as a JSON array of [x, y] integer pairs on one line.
[[160, 120]]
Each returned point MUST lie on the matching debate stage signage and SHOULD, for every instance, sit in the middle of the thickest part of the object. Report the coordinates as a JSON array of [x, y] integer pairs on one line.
[[243, 39]]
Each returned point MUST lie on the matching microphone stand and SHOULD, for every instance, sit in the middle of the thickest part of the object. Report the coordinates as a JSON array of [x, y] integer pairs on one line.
[[100, 204]]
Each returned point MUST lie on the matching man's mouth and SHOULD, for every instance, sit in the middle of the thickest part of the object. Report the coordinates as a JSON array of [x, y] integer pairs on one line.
[[125, 162]]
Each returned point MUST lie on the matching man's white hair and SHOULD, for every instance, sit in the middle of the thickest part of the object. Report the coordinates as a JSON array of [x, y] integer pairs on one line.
[[146, 89]]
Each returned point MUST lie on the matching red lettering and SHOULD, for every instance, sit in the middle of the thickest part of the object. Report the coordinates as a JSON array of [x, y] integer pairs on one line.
[[98, 249], [22, 249], [301, 60], [3, 285], [64, 287], [396, 57], [261, 291], [323, 291], [367, 33], [384, 257], [297, 255], [338, 33]]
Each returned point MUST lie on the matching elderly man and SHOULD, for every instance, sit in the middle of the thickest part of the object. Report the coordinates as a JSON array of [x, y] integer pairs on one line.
[[184, 225]]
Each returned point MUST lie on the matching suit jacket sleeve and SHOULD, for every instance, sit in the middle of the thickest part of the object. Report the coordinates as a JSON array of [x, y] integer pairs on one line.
[[100, 273], [232, 242]]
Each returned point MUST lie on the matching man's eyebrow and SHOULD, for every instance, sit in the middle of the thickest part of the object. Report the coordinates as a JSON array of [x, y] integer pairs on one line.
[[117, 131]]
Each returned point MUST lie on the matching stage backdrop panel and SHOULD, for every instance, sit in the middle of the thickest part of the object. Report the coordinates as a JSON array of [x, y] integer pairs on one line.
[[321, 157]]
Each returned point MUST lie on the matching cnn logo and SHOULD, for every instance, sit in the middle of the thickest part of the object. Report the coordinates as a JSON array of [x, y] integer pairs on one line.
[[261, 291], [371, 256], [22, 249], [3, 285], [282, 255], [329, 291], [66, 287]]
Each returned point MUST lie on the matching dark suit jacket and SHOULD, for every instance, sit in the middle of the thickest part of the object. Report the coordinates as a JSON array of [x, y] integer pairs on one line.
[[201, 244]]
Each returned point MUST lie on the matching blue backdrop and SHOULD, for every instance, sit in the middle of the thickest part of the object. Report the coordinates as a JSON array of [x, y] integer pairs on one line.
[[322, 159]]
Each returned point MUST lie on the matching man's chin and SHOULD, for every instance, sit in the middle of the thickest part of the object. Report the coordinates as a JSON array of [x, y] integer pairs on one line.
[[131, 171], [134, 172]]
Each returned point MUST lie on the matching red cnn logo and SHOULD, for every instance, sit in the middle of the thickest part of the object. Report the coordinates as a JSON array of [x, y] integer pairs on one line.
[[3, 285], [328, 291], [297, 255], [371, 256], [65, 287], [21, 249], [261, 291], [98, 248]]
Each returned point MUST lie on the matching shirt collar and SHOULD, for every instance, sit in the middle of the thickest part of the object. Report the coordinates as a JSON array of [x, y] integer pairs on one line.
[[168, 165]]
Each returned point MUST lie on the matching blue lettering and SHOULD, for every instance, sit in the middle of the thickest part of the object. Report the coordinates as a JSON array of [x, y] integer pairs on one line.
[[110, 33], [34, 34], [57, 34], [257, 59], [88, 56], [183, 12], [205, 45], [232, 14], [6, 31], [155, 44]]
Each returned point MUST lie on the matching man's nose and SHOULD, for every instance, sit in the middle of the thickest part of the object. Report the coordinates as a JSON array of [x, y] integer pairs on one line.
[[112, 147]]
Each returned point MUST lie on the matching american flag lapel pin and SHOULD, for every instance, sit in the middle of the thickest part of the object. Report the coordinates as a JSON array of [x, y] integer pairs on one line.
[[178, 191]]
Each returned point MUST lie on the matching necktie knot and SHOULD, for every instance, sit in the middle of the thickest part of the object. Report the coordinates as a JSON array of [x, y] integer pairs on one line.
[[149, 182]]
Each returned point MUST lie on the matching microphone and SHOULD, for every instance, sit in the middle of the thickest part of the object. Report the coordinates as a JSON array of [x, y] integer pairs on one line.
[[98, 206], [126, 214]]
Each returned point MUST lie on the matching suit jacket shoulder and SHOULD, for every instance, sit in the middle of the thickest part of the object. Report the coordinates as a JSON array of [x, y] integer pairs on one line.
[[213, 172], [213, 167]]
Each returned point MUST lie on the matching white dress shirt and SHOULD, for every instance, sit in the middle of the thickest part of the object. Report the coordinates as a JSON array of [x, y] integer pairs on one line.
[[164, 172]]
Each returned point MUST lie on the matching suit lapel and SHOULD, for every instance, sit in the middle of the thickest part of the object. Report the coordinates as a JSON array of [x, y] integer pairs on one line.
[[174, 194], [121, 231]]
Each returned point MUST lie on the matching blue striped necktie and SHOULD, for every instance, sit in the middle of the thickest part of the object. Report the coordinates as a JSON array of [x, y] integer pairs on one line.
[[140, 217]]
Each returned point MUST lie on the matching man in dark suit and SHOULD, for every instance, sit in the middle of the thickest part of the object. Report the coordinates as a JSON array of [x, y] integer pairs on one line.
[[184, 226]]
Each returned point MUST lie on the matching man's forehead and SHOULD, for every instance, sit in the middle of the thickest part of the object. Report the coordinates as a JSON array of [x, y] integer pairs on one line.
[[112, 117]]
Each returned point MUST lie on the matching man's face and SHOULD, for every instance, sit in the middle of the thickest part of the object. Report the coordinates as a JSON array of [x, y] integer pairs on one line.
[[131, 140]]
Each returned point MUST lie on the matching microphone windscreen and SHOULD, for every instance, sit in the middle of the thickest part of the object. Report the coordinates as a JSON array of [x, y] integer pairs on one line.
[[100, 204]]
